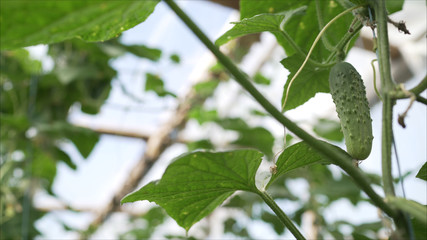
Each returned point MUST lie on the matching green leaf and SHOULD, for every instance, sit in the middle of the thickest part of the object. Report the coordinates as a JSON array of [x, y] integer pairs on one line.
[[359, 2], [26, 23], [114, 48], [142, 51], [252, 137], [260, 23], [271, 219], [197, 183], [203, 115], [44, 167], [303, 29], [420, 229], [343, 187], [233, 124], [206, 89], [250, 8], [394, 6], [28, 64], [257, 138], [153, 218], [233, 227], [201, 144], [86, 72], [329, 129], [83, 139], [422, 174], [310, 81], [259, 113], [367, 227], [19, 122], [415, 209], [62, 156], [296, 156], [175, 58], [358, 236], [155, 83], [261, 79]]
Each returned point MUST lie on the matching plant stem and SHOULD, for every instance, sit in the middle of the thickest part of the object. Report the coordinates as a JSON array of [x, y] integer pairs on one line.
[[417, 90], [282, 216], [421, 99], [388, 181], [387, 86], [345, 40], [420, 87], [342, 160]]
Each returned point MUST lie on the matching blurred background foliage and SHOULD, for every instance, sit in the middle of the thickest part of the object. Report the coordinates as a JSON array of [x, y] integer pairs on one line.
[[34, 109]]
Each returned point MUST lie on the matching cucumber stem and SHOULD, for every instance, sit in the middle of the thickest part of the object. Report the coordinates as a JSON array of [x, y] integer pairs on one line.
[[387, 88], [281, 215]]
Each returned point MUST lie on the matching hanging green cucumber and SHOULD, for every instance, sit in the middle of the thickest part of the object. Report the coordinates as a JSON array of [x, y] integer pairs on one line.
[[349, 95]]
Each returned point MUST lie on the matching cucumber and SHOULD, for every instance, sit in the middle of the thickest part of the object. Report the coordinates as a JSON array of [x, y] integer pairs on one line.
[[349, 95]]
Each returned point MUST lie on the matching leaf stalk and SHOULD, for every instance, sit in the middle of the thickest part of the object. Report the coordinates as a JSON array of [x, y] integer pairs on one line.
[[282, 216]]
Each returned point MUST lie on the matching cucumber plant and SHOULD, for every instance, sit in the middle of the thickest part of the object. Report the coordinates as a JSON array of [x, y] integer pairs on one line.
[[198, 182]]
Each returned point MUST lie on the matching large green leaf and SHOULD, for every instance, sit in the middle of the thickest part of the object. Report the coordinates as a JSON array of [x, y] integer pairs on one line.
[[26, 23], [267, 22], [196, 183], [422, 174], [417, 210], [293, 157], [250, 8], [394, 6], [303, 29], [296, 156], [310, 81]]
